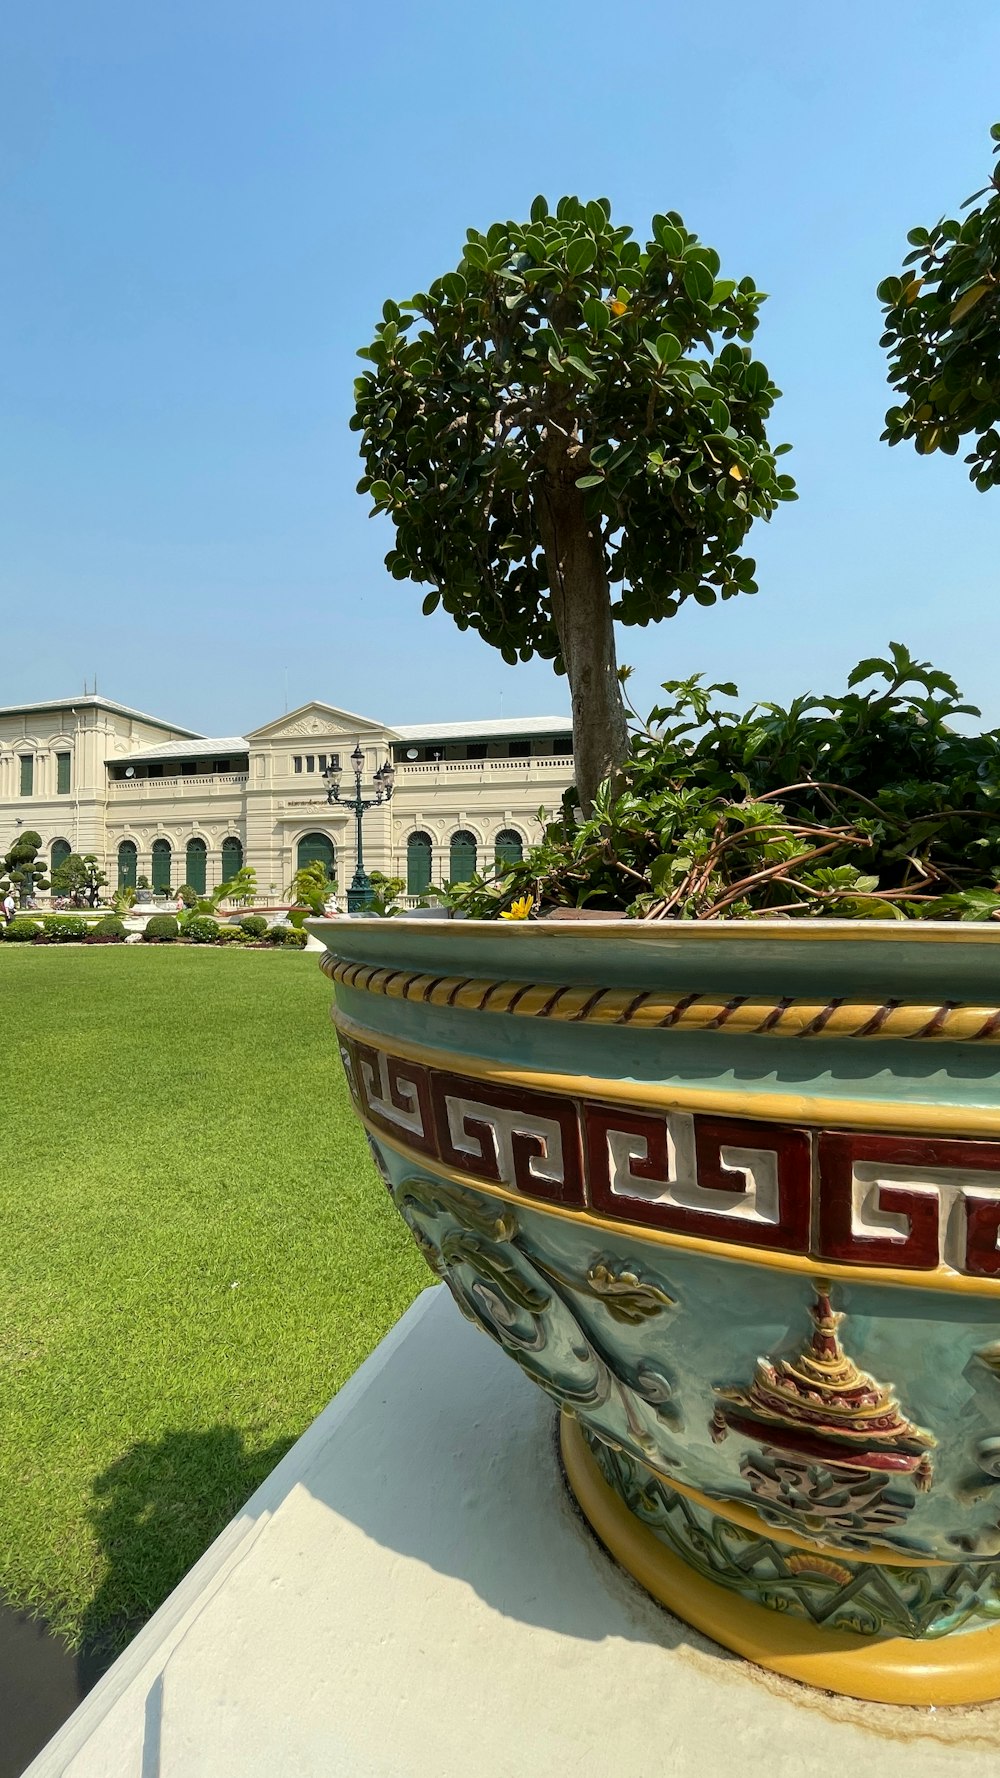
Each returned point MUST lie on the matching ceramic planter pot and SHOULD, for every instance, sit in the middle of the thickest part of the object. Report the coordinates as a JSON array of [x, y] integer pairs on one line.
[[731, 1195]]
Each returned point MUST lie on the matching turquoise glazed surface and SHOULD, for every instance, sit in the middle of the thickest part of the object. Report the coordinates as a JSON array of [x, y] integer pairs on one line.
[[757, 1255]]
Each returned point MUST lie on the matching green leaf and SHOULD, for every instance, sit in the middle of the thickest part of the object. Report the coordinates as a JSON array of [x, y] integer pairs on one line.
[[890, 290], [722, 290], [580, 256], [431, 602], [454, 285], [596, 314], [698, 281], [584, 369], [668, 348], [380, 492], [669, 238], [477, 255], [539, 209], [590, 481]]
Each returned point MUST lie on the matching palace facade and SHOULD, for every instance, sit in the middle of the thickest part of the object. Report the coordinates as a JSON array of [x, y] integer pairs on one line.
[[151, 798]]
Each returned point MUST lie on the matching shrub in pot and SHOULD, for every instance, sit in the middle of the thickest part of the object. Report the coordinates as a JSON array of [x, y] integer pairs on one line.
[[720, 1176]]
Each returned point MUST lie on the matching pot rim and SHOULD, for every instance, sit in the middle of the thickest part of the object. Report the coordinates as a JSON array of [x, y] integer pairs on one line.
[[689, 931]]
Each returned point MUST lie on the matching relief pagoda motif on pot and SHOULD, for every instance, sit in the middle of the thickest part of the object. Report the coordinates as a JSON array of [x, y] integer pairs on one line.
[[833, 1438]]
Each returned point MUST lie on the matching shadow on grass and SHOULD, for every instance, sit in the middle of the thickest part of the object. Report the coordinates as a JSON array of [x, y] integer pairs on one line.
[[155, 1511]]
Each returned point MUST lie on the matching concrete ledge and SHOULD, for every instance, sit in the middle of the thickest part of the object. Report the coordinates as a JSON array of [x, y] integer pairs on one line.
[[411, 1591]]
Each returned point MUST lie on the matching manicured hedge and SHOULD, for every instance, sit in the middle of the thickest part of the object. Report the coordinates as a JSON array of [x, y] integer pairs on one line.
[[160, 929]]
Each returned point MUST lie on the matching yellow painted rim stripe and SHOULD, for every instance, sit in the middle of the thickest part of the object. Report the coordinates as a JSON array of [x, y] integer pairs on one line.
[[957, 1669], [760, 932], [773, 1107]]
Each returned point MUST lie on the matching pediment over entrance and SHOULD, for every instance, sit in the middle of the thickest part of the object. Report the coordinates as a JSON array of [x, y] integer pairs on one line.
[[318, 722]]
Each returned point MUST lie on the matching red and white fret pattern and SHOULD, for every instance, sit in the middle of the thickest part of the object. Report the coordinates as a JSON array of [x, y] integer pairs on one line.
[[908, 1202]]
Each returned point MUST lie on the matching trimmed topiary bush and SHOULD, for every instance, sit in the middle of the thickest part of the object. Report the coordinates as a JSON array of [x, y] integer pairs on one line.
[[254, 925], [64, 928], [229, 935], [21, 932], [109, 930], [160, 929], [202, 929]]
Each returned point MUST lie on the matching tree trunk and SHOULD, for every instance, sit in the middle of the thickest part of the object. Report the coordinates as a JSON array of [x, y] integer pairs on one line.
[[581, 611]]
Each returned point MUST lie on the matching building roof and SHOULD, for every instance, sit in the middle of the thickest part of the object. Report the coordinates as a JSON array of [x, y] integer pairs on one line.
[[191, 749], [501, 727], [94, 701]]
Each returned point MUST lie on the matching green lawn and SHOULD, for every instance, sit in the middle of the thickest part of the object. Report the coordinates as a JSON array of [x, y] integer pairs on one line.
[[195, 1253]]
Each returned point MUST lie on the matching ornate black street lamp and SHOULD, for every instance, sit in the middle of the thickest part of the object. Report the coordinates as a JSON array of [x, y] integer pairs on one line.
[[360, 893]]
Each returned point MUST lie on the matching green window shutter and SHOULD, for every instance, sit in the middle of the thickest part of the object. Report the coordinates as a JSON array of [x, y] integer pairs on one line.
[[319, 847], [61, 850], [508, 848], [232, 857], [195, 862], [27, 774], [463, 856], [418, 863], [62, 769], [128, 861], [161, 865]]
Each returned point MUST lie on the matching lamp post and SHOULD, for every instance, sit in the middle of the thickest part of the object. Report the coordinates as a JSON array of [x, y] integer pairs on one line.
[[360, 893]]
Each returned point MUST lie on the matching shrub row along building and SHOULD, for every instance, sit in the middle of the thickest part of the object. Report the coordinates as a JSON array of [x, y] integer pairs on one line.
[[153, 799]]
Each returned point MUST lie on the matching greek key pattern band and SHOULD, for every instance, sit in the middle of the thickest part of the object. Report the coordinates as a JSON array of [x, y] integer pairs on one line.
[[855, 1198], [656, 1010]]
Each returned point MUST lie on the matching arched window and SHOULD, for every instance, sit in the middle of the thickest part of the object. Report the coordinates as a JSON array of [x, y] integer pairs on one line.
[[194, 864], [61, 850], [508, 848], [418, 863], [463, 856], [161, 866], [317, 847], [128, 861], [232, 857]]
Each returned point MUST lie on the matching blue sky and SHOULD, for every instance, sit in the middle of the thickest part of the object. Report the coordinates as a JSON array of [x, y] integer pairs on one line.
[[203, 206]]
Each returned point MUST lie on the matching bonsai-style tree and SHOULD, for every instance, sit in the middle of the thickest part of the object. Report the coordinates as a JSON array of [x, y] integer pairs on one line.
[[80, 877], [574, 433], [942, 331], [20, 868]]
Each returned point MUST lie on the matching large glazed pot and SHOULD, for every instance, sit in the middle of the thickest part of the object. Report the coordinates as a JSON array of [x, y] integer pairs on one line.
[[732, 1196]]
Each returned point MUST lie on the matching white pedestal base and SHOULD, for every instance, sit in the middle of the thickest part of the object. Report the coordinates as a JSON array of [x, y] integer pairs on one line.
[[411, 1592]]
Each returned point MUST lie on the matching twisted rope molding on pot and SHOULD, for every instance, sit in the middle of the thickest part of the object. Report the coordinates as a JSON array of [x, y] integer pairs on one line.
[[657, 1010]]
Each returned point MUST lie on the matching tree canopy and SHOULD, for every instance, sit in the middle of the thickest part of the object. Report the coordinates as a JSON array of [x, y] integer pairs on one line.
[[566, 413], [942, 333]]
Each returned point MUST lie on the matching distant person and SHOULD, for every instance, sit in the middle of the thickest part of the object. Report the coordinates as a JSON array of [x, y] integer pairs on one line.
[[9, 907]]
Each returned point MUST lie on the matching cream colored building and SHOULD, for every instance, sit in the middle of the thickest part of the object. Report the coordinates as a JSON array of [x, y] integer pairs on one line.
[[154, 799]]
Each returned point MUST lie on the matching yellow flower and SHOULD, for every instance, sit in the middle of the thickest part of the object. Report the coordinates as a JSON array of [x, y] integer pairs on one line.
[[519, 909]]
